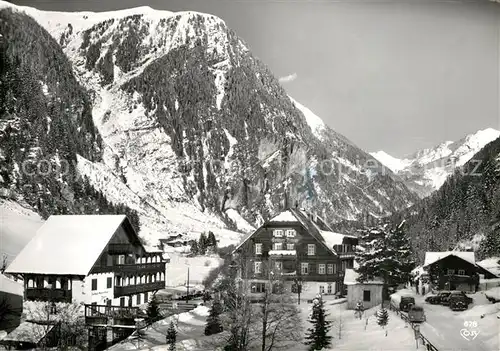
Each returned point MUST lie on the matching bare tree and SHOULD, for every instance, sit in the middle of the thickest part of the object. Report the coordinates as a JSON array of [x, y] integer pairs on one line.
[[68, 318], [279, 316]]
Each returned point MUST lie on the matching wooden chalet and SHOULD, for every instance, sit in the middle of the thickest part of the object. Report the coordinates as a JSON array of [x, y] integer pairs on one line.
[[454, 270], [302, 249], [97, 260]]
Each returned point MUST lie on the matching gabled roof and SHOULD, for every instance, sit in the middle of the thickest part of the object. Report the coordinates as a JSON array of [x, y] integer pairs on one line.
[[67, 245], [10, 286], [433, 257], [314, 225], [351, 278]]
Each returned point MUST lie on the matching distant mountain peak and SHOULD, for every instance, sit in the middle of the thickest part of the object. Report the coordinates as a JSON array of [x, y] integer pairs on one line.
[[426, 170]]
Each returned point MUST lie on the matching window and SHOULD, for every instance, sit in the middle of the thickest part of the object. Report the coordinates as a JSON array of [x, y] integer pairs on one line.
[[278, 233], [329, 288], [321, 289], [109, 283], [321, 268], [451, 271], [366, 295], [461, 272], [258, 249], [121, 259], [343, 265], [122, 302], [311, 249], [290, 233], [290, 246], [138, 299], [304, 268], [279, 265], [94, 284], [350, 264], [257, 266], [277, 246], [258, 288], [146, 299], [330, 268]]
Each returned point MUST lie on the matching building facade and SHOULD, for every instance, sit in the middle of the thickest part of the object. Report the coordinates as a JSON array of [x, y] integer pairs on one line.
[[95, 260], [297, 249], [369, 293]]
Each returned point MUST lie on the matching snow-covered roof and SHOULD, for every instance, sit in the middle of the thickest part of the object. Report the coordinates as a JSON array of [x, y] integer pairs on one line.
[[10, 286], [28, 332], [351, 278], [285, 216], [491, 264], [432, 257], [332, 238], [66, 245]]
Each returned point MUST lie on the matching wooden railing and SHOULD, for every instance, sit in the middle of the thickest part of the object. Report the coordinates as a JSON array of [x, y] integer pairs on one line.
[[155, 267], [404, 316], [101, 314], [138, 288], [45, 294]]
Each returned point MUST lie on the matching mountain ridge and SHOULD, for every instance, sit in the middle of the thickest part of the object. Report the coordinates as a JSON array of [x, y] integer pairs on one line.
[[198, 134], [426, 170]]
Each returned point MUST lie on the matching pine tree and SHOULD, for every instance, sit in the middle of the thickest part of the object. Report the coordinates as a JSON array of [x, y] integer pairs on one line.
[[214, 324], [171, 336], [202, 244], [211, 240], [386, 255], [194, 248], [382, 317], [317, 337], [153, 309]]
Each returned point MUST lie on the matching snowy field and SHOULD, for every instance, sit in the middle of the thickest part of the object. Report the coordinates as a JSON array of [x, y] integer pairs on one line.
[[199, 267], [190, 329], [354, 336], [18, 225]]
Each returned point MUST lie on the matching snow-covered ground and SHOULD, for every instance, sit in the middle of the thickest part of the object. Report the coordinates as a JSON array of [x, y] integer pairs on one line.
[[199, 267], [190, 333], [18, 225], [444, 327], [353, 335]]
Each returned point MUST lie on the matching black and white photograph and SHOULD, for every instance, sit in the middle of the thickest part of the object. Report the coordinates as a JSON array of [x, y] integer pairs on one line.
[[250, 175]]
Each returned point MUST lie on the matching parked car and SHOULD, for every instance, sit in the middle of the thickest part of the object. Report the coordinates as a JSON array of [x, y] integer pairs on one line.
[[406, 302], [416, 314], [459, 301], [445, 301], [437, 299]]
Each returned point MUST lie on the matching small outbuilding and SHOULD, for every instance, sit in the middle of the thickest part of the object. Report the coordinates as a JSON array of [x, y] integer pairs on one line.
[[369, 292]]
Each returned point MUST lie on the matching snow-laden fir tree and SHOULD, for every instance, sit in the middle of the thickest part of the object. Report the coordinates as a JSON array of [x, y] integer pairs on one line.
[[386, 254], [194, 248], [382, 317], [171, 336], [317, 337], [153, 310], [214, 324]]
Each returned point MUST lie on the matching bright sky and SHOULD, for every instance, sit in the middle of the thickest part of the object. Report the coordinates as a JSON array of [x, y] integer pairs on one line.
[[394, 75]]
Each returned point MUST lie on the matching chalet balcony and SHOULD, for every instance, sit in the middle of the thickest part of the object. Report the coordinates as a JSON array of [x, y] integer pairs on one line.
[[283, 254], [120, 249], [347, 255], [138, 288], [103, 315], [155, 267], [46, 294]]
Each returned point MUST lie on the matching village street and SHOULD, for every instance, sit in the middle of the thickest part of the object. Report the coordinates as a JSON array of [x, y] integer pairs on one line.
[[449, 330]]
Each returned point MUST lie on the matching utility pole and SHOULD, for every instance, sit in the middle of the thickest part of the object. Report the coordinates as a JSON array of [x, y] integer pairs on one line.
[[187, 288]]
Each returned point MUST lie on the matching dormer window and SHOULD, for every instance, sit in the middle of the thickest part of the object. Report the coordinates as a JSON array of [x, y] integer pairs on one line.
[[278, 233], [290, 233]]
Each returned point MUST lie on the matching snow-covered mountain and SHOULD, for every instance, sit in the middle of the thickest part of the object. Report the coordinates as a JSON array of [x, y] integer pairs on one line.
[[426, 170], [197, 133]]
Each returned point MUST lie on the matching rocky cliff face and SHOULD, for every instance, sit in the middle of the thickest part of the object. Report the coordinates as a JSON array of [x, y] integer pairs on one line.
[[197, 132]]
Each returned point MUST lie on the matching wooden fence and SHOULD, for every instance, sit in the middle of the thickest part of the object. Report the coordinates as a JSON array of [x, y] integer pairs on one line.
[[415, 327]]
